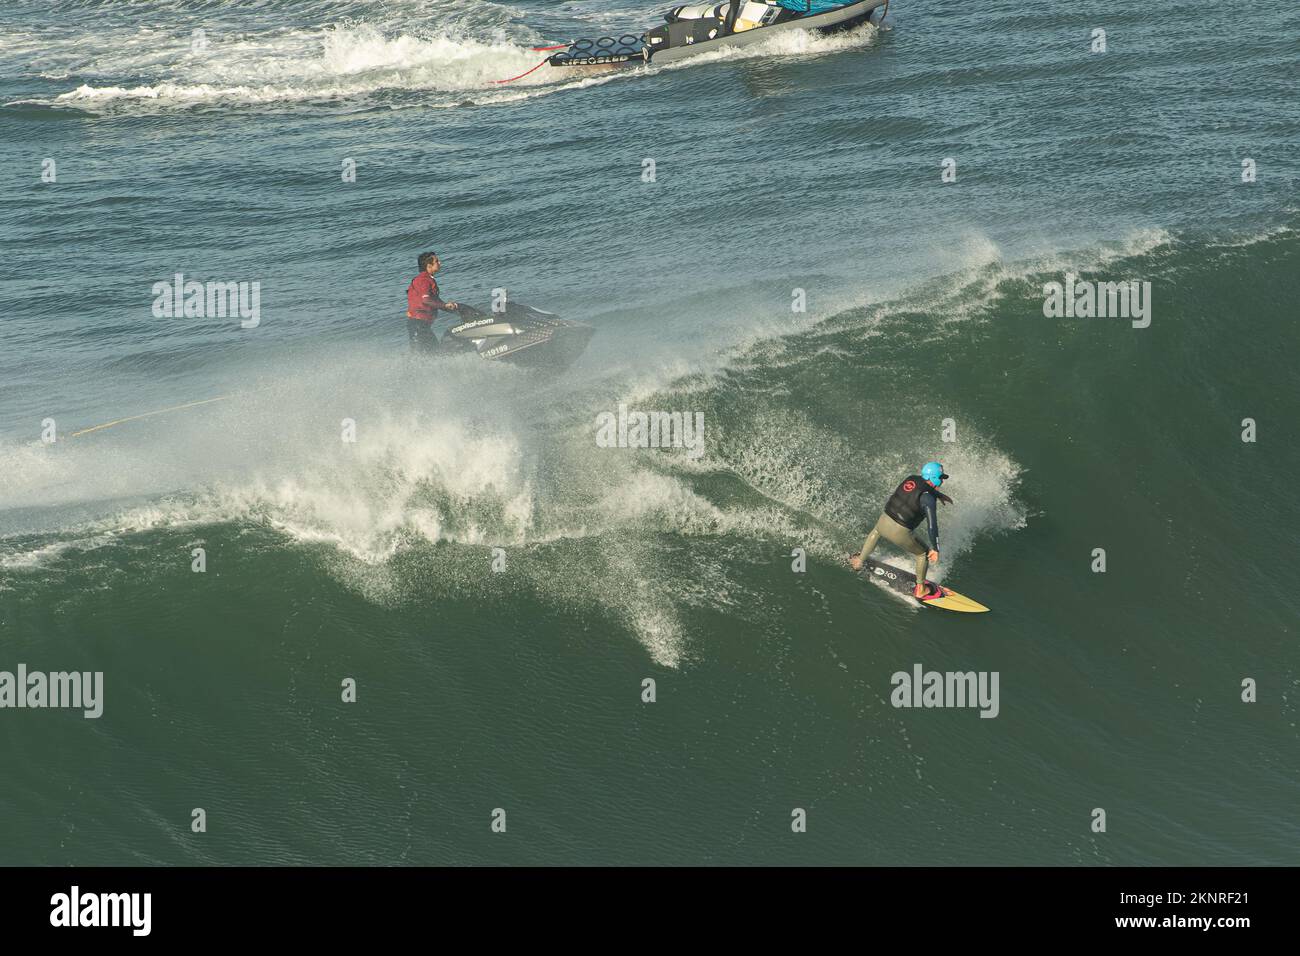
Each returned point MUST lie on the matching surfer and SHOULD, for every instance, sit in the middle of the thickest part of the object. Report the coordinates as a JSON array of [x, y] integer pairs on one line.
[[423, 302], [912, 502]]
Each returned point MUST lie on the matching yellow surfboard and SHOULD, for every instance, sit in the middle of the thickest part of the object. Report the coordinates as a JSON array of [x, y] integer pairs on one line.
[[905, 583], [952, 601]]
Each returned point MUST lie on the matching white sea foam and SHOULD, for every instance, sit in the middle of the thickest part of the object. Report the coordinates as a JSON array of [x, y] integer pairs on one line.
[[447, 54], [582, 523]]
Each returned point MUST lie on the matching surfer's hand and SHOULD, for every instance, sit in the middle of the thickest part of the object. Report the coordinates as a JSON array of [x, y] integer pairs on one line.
[[453, 306], [944, 498], [934, 557], [855, 562]]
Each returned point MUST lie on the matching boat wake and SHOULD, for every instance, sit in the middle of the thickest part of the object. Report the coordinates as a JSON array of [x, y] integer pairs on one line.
[[348, 66]]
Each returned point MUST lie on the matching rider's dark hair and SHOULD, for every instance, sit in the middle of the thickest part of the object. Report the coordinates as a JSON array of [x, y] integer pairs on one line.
[[425, 257]]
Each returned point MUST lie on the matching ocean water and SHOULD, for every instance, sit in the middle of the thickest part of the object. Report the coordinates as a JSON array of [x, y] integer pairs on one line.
[[809, 163]]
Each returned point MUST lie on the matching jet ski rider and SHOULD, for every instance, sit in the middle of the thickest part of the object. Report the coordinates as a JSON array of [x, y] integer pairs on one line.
[[422, 304], [912, 502]]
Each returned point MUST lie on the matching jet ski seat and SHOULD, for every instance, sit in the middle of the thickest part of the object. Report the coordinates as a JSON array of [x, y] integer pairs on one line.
[[752, 13], [696, 12]]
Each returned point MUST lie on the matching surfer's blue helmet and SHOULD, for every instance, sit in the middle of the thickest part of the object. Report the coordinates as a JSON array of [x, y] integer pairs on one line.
[[933, 473]]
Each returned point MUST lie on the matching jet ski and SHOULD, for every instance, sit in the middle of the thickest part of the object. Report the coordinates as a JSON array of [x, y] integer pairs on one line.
[[518, 334], [694, 29]]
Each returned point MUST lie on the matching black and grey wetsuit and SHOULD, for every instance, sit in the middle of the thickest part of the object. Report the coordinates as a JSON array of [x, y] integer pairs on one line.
[[912, 502]]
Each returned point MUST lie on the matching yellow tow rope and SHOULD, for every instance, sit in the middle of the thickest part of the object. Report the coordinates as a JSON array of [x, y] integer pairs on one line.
[[161, 411]]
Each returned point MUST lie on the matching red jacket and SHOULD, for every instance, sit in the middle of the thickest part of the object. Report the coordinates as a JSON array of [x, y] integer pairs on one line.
[[422, 300]]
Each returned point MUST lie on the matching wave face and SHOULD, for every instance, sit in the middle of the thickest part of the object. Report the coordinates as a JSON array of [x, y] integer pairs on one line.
[[499, 584]]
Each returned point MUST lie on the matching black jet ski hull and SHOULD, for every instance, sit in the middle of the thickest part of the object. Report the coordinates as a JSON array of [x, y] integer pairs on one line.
[[682, 38], [520, 335]]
